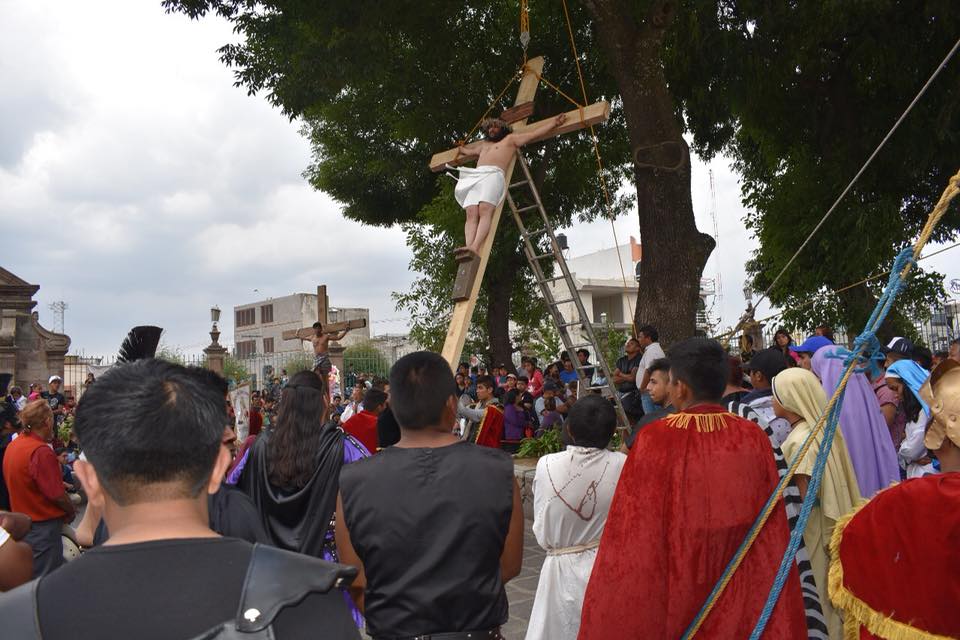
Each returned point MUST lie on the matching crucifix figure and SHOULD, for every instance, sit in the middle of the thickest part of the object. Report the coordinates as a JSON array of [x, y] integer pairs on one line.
[[473, 265], [479, 190], [321, 332]]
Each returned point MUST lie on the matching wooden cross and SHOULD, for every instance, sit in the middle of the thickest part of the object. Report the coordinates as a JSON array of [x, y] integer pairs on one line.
[[321, 325], [591, 114]]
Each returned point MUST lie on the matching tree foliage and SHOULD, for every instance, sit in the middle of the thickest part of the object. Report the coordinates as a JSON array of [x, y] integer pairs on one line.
[[799, 94], [365, 358]]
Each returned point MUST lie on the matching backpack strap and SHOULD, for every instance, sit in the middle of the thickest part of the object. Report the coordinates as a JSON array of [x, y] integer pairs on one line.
[[20, 613], [277, 578]]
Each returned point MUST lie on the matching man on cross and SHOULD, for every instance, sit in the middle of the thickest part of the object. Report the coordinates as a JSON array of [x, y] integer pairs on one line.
[[480, 190]]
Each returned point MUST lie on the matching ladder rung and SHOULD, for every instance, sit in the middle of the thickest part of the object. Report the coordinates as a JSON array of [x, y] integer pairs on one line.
[[520, 183], [571, 324], [545, 255], [553, 279], [527, 208], [581, 346], [559, 302], [534, 234]]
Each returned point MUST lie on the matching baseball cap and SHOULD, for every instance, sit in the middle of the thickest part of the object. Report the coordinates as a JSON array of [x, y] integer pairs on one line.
[[899, 345], [812, 344], [769, 362], [510, 375], [54, 377], [550, 385]]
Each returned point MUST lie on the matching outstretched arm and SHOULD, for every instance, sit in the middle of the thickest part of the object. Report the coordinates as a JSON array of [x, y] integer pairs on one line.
[[471, 150], [541, 129]]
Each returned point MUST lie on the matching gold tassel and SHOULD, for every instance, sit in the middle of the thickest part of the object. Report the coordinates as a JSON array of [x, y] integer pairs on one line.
[[857, 611], [704, 422]]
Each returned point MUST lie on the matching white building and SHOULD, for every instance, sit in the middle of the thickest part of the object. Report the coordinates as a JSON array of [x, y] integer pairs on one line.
[[606, 298], [258, 326], [607, 283], [393, 347]]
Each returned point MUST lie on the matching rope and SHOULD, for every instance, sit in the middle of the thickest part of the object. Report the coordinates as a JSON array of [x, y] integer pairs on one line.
[[524, 28], [729, 334], [859, 173], [866, 347], [496, 101], [596, 152]]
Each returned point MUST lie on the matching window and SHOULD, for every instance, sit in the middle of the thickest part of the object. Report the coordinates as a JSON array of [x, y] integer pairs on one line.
[[246, 348], [246, 317], [266, 314], [268, 345]]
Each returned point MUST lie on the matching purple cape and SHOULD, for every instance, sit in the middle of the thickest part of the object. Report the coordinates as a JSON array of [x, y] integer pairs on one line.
[[862, 424]]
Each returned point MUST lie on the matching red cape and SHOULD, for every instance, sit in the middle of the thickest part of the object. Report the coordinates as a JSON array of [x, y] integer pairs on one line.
[[896, 562], [692, 486], [490, 431]]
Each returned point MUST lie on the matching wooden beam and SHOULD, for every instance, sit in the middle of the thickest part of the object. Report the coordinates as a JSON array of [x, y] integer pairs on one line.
[[308, 333], [463, 310], [519, 112], [592, 114]]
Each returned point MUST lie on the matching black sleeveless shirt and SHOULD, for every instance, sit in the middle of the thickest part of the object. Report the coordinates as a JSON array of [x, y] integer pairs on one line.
[[429, 526]]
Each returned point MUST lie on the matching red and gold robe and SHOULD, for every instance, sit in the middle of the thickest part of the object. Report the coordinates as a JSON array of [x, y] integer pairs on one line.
[[895, 570], [692, 486], [490, 431]]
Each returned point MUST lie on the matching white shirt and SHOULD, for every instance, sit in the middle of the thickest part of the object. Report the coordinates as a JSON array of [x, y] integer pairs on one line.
[[651, 353], [912, 448], [575, 474]]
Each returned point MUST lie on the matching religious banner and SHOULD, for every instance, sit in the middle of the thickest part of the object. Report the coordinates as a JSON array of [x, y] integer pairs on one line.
[[240, 399]]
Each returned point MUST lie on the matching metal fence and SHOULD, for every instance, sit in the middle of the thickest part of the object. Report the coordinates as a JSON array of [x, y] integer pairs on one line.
[[258, 370]]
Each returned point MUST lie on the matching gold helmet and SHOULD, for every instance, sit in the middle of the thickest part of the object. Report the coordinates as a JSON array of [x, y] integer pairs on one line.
[[941, 392]]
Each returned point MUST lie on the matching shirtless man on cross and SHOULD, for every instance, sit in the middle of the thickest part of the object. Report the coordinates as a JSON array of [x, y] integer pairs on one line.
[[480, 190]]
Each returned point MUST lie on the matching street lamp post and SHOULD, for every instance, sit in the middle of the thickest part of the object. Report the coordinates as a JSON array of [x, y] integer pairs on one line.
[[216, 353]]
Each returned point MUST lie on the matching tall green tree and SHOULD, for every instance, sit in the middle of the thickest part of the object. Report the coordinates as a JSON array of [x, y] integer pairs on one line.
[[381, 86], [799, 94]]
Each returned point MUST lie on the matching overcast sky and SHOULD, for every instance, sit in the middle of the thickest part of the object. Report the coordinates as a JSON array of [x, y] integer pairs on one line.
[[138, 185]]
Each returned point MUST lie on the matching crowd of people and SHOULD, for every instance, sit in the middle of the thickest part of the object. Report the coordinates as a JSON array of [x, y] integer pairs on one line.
[[394, 509]]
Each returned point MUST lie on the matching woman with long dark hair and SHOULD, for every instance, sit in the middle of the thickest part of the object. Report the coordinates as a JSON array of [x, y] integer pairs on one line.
[[783, 342], [293, 470]]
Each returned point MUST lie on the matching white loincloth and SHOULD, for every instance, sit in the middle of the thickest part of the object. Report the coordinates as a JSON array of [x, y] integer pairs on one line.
[[482, 184]]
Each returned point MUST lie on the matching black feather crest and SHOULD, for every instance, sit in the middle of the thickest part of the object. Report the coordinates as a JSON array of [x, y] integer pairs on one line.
[[140, 343]]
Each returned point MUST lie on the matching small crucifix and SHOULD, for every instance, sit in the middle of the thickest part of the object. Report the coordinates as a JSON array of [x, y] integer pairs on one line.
[[473, 261]]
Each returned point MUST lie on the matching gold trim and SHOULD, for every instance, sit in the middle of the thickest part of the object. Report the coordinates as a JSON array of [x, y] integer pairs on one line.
[[704, 422], [857, 612]]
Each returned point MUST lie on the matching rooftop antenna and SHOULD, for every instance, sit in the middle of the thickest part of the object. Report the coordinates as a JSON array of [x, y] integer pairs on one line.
[[58, 307]]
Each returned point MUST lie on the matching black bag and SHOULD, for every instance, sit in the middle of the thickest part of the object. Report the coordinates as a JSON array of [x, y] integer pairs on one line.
[[275, 579]]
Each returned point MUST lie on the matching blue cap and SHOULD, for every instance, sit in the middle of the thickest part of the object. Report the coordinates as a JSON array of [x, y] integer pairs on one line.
[[812, 344]]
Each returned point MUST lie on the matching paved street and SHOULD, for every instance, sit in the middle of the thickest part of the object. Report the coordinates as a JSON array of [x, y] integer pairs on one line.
[[520, 590]]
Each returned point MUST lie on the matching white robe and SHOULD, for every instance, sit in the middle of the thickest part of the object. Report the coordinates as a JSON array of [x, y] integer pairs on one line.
[[564, 576]]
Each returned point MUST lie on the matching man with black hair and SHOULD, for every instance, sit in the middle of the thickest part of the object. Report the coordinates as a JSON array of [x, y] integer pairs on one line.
[[625, 379], [527, 400], [923, 357], [762, 368], [659, 390], [572, 491], [363, 426], [584, 357], [484, 417], [152, 432], [648, 337], [954, 353], [433, 524], [690, 491]]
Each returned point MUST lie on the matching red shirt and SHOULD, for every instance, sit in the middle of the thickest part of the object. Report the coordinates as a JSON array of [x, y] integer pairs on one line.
[[33, 476], [363, 427]]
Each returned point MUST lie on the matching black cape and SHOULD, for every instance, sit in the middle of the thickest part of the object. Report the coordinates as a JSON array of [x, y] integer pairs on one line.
[[296, 519]]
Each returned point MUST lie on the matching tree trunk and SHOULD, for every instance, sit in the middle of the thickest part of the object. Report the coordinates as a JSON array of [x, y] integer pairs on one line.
[[674, 251]]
